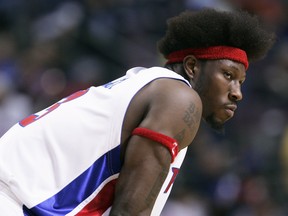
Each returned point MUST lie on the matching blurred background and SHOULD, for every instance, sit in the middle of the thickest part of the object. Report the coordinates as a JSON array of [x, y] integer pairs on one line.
[[51, 48]]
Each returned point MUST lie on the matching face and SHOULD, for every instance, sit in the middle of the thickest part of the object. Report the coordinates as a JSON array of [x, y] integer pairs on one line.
[[219, 87]]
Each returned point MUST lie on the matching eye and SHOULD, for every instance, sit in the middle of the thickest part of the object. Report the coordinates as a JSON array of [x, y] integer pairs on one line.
[[227, 75], [241, 81]]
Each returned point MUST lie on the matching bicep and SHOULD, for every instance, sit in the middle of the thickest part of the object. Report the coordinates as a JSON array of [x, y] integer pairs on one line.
[[146, 162], [176, 113]]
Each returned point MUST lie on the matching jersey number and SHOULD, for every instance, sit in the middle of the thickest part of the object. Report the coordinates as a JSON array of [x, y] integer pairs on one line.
[[32, 118], [175, 173]]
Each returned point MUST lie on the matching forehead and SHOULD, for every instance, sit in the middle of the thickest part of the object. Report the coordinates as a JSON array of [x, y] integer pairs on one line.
[[229, 65]]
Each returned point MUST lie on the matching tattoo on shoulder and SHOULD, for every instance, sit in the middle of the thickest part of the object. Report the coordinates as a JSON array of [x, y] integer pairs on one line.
[[191, 115]]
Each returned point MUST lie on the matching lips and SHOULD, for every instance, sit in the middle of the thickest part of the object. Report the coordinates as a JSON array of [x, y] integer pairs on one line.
[[230, 109]]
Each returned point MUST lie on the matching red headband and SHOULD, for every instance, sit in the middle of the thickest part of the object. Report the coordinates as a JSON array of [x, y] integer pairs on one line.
[[214, 52]]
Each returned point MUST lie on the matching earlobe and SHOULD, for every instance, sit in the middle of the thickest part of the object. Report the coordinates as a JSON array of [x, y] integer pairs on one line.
[[189, 63]]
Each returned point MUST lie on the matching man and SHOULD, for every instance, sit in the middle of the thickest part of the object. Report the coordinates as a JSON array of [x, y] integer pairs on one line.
[[116, 149]]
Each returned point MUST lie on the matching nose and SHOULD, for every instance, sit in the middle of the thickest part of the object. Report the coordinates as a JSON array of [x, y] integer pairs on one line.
[[235, 93]]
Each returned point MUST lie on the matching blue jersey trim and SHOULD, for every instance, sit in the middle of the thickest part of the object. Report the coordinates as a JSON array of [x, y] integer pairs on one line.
[[80, 188]]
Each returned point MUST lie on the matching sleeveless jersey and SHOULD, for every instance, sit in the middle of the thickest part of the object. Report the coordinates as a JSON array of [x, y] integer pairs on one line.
[[65, 160]]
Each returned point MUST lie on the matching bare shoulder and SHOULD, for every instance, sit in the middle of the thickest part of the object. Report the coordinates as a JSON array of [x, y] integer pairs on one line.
[[174, 91], [174, 109], [177, 108]]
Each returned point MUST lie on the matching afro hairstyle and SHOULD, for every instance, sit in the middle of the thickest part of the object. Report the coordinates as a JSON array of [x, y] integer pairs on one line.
[[210, 27]]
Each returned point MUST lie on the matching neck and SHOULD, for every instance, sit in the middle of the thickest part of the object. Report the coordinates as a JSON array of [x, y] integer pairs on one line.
[[177, 68]]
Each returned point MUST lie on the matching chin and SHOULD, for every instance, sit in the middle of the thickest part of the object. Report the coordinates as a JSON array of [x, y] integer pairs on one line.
[[215, 123]]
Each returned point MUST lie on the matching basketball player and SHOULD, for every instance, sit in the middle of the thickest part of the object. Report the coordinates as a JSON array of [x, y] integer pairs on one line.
[[116, 149]]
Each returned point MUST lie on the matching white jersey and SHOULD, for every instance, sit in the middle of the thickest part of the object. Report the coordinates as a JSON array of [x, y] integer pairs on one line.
[[65, 160]]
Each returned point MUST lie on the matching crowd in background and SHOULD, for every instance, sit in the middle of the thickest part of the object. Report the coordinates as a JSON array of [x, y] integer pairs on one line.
[[51, 48]]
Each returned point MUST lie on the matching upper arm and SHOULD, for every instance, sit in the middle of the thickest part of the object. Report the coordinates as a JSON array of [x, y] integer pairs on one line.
[[175, 110], [165, 106]]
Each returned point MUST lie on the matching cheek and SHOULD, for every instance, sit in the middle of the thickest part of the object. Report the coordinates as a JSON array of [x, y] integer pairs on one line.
[[208, 100], [212, 92], [218, 88], [212, 89], [213, 96]]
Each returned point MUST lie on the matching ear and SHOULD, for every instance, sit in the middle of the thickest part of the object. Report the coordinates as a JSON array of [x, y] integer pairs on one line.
[[191, 66]]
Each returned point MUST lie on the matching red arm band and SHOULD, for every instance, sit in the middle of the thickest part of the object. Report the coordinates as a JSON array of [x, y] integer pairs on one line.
[[167, 141]]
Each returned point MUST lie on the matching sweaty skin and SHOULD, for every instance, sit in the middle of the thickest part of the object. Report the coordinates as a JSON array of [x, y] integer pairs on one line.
[[160, 108], [172, 108], [219, 86]]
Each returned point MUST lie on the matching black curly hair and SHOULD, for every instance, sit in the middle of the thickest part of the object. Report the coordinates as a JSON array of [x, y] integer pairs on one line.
[[210, 27]]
